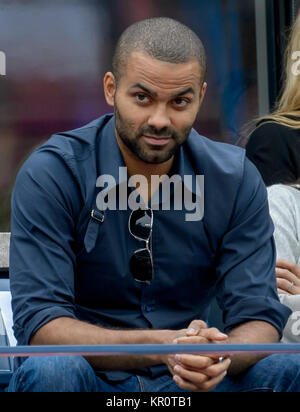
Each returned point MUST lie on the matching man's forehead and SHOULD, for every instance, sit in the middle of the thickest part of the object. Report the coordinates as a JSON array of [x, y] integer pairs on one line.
[[144, 68]]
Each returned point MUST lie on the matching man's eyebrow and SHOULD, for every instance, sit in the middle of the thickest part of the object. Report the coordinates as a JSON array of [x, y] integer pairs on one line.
[[183, 92], [154, 94], [140, 86]]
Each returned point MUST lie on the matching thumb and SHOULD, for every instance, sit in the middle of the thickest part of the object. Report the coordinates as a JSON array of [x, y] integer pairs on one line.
[[195, 327], [213, 334]]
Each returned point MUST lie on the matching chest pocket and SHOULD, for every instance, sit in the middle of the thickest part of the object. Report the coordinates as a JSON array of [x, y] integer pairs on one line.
[[91, 234]]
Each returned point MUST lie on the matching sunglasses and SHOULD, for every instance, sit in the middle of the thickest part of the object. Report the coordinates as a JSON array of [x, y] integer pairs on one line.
[[141, 263]]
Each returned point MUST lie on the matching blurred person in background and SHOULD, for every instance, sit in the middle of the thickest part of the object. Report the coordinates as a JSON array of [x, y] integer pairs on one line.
[[223, 37], [274, 146], [284, 201]]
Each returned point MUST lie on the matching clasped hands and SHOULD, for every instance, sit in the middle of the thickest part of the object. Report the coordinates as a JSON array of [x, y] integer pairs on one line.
[[198, 373]]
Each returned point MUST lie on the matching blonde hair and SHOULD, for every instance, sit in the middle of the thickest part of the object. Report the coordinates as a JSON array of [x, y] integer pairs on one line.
[[288, 103]]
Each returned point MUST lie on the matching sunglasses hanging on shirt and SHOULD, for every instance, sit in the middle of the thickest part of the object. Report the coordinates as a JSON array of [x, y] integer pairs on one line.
[[140, 227]]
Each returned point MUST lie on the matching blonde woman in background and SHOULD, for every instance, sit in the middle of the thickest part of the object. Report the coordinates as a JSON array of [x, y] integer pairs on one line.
[[274, 146]]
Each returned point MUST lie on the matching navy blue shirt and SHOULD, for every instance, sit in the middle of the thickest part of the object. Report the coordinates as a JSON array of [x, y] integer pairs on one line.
[[64, 263]]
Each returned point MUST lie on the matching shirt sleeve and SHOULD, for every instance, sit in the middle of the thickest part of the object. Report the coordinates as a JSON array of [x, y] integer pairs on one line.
[[41, 256], [282, 209], [246, 271], [269, 151]]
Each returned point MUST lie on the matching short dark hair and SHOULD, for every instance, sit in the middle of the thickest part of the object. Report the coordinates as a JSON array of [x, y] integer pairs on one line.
[[163, 39]]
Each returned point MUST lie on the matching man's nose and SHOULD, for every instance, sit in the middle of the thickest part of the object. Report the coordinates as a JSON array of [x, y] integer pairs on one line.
[[159, 118]]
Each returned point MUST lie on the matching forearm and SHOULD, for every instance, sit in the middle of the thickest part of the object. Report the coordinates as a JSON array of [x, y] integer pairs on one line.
[[251, 332], [68, 331]]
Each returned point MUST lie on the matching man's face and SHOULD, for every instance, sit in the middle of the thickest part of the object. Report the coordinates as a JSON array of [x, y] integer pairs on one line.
[[156, 104]]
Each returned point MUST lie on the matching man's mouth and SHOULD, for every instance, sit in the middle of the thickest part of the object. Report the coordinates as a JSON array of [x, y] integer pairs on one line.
[[157, 141]]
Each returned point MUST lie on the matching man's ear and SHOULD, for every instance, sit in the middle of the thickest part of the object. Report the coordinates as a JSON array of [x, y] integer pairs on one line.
[[109, 85], [202, 92]]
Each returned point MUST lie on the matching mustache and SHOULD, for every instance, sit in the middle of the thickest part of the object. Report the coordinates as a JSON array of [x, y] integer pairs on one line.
[[153, 131]]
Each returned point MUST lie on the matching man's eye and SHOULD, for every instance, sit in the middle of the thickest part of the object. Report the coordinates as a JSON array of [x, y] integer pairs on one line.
[[180, 102], [141, 98]]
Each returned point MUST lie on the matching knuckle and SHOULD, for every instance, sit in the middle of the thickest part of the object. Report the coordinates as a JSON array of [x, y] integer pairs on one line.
[[201, 379], [206, 386], [213, 373], [206, 362], [200, 363], [212, 331], [198, 324], [186, 386]]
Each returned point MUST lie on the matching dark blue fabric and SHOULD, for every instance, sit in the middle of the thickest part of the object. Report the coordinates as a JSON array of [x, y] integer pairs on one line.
[[63, 263]]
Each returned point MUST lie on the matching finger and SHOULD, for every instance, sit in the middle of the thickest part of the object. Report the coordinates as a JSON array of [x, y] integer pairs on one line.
[[285, 285], [196, 381], [286, 274], [210, 335], [281, 292], [213, 334], [192, 340], [187, 386], [211, 384], [208, 366], [205, 387], [197, 340], [171, 362], [195, 377], [217, 369], [195, 326], [194, 362], [291, 266], [288, 287]]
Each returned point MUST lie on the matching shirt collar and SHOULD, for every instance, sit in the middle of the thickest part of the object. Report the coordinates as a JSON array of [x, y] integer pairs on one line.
[[183, 166], [111, 158]]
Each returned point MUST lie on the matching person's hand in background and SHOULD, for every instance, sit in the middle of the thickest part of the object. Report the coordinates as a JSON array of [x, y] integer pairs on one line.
[[288, 277]]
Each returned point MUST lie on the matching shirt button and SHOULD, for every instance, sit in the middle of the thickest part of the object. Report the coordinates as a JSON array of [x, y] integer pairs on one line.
[[147, 308]]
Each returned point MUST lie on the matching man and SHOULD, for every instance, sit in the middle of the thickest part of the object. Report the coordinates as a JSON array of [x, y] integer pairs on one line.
[[82, 274]]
